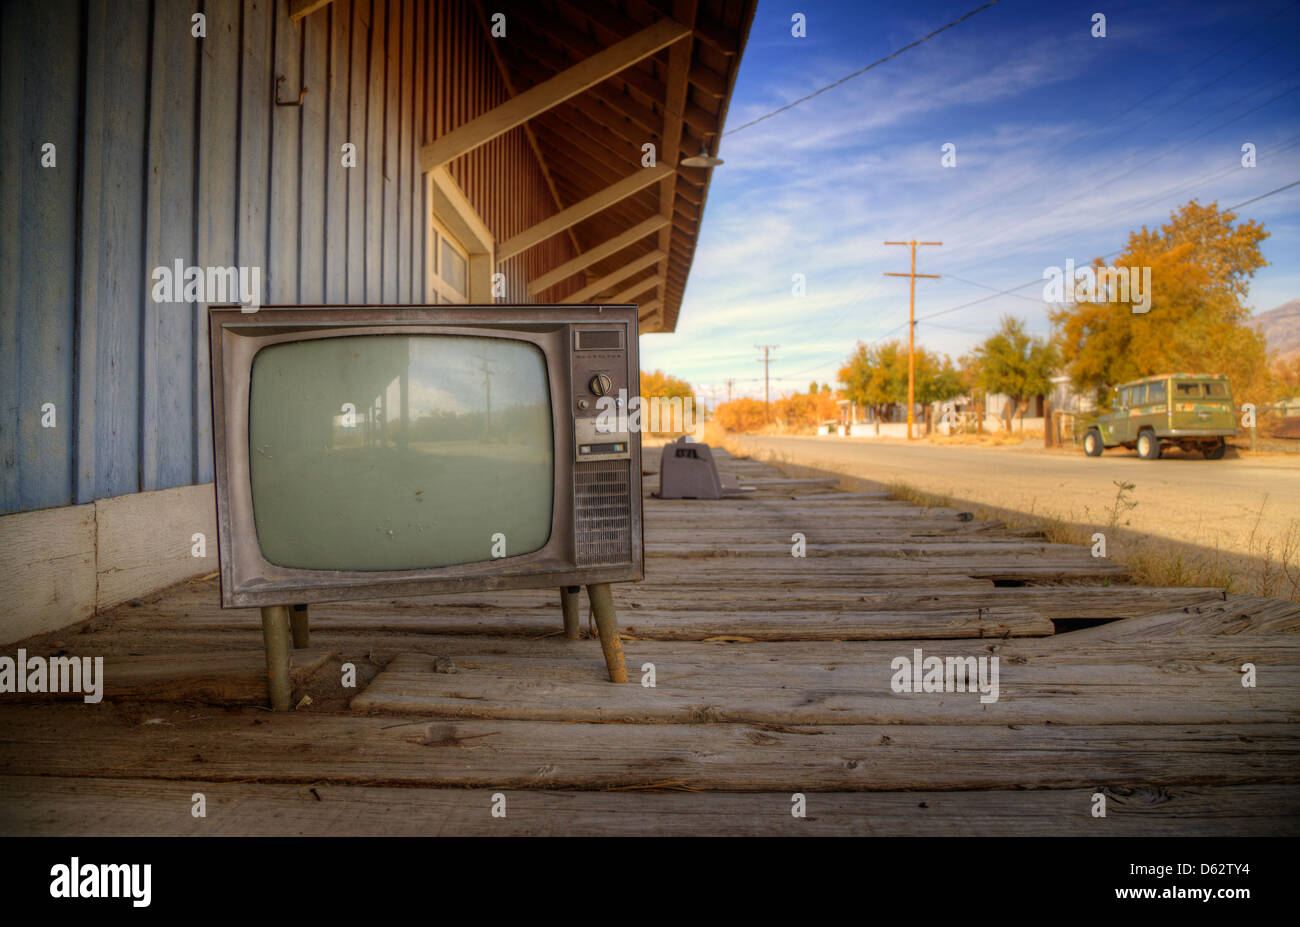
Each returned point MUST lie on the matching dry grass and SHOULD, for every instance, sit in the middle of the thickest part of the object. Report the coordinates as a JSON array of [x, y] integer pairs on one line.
[[1000, 439], [1268, 567]]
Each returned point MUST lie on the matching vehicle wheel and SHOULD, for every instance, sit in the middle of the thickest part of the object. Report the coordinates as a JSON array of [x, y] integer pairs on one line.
[[1215, 451], [1092, 445], [1148, 446]]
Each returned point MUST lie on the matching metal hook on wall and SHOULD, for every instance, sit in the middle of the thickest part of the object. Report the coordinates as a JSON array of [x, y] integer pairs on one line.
[[278, 102]]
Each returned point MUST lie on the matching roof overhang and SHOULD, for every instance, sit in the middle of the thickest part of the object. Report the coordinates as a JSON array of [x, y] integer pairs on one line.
[[593, 83]]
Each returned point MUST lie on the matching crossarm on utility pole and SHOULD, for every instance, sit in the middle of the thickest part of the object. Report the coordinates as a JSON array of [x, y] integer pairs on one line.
[[911, 326]]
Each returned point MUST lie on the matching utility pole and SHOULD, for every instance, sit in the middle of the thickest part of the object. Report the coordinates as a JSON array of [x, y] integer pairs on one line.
[[911, 326], [730, 380], [767, 362]]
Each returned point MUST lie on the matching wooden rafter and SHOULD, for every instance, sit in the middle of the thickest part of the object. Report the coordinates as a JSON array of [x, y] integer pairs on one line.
[[528, 129], [563, 86], [300, 8], [679, 65], [598, 253], [593, 204], [637, 289], [648, 87], [618, 276]]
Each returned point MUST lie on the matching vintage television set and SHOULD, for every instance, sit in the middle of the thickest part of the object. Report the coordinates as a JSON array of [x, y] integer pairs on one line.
[[409, 450]]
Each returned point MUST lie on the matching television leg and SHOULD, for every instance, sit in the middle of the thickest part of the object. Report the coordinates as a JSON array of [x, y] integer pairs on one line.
[[602, 602], [301, 635], [275, 634], [570, 602]]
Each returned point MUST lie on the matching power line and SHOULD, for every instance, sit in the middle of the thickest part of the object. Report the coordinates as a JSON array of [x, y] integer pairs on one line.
[[932, 315], [1083, 194], [1265, 195], [861, 71], [1233, 167], [1076, 144]]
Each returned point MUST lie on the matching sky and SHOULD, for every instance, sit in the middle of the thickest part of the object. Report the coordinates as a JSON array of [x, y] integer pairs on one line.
[[1064, 143]]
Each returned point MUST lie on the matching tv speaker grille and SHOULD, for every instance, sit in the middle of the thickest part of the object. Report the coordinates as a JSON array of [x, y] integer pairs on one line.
[[602, 512]]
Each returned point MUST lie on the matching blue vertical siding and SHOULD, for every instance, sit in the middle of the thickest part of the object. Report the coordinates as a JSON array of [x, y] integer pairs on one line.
[[171, 147]]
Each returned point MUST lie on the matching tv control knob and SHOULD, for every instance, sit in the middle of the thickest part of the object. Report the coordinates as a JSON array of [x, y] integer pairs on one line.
[[600, 384]]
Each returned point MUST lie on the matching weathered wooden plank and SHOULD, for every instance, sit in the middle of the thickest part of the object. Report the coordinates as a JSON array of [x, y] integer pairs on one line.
[[117, 91], [336, 181], [54, 807], [846, 691], [419, 128], [1057, 603], [167, 375], [146, 540], [402, 178], [390, 125], [312, 186], [257, 90], [777, 623], [302, 747], [48, 579], [13, 25], [763, 544], [220, 156], [373, 228], [39, 256], [106, 637], [214, 678], [358, 177], [1237, 614], [282, 253]]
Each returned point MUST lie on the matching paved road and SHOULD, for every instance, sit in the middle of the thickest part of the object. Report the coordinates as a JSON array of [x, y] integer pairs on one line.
[[1182, 496]]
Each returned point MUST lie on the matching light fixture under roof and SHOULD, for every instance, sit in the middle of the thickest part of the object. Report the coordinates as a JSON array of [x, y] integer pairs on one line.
[[703, 159]]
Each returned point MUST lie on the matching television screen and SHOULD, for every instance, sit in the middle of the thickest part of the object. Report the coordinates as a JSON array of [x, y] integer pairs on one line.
[[400, 452]]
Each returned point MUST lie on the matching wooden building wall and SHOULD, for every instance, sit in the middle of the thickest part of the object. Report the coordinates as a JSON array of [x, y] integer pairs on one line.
[[172, 147]]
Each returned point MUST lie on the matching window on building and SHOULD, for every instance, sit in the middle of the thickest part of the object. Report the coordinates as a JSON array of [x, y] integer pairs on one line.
[[459, 249], [449, 277]]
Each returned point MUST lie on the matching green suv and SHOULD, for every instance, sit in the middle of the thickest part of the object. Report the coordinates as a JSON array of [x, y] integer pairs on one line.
[[1186, 410]]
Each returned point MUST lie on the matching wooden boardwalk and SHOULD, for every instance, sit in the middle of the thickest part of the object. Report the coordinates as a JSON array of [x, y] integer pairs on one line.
[[772, 679]]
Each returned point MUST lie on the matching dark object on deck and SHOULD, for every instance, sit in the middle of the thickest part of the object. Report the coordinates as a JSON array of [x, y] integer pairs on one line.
[[687, 471]]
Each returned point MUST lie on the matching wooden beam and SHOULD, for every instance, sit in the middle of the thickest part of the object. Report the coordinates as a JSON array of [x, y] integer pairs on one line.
[[636, 80], [598, 253], [569, 83], [593, 204], [528, 130], [607, 281], [300, 8], [636, 289], [582, 45], [708, 80], [645, 311], [715, 35], [679, 66]]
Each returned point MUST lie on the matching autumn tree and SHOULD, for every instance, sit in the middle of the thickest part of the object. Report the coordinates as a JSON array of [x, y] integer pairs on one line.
[[1015, 363], [658, 383], [806, 410], [740, 415], [876, 376], [1201, 265], [1286, 375]]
